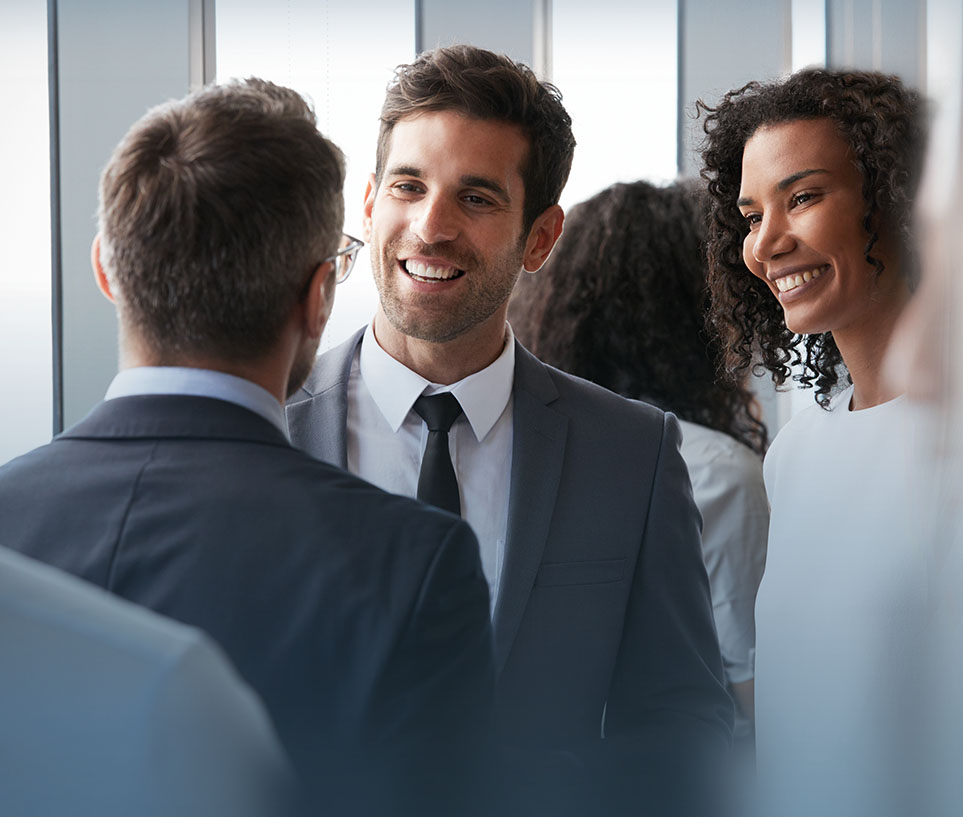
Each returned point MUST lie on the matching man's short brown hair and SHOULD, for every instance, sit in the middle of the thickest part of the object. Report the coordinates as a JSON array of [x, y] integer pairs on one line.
[[214, 211], [488, 86]]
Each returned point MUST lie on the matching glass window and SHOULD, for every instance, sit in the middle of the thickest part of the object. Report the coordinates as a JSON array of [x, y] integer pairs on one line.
[[616, 65], [26, 417], [340, 56]]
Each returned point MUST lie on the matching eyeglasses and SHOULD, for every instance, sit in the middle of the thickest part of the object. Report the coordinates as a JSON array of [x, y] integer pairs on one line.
[[345, 257]]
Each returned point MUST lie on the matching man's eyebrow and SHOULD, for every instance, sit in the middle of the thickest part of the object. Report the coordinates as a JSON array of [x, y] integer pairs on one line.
[[745, 201], [486, 184], [404, 170]]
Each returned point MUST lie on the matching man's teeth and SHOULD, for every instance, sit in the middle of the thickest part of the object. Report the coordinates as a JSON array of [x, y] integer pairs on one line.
[[788, 282], [420, 270]]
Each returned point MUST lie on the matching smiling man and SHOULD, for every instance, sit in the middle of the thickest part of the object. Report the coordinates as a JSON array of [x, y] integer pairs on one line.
[[608, 668]]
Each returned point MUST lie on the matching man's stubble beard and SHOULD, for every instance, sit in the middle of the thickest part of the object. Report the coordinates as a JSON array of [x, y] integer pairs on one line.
[[488, 288], [301, 367]]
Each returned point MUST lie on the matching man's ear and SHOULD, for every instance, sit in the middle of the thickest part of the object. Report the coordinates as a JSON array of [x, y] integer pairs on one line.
[[99, 275], [542, 237], [319, 299], [369, 196]]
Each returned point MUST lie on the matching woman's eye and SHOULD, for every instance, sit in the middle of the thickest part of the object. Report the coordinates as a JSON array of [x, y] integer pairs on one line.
[[753, 219], [801, 198]]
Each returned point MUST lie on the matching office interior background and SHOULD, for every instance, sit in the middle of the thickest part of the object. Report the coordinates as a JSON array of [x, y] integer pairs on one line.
[[80, 72]]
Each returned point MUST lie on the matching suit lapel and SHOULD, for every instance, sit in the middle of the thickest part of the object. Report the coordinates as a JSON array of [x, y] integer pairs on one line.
[[318, 412], [538, 452]]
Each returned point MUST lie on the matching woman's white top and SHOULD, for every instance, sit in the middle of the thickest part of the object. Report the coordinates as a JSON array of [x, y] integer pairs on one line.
[[839, 612]]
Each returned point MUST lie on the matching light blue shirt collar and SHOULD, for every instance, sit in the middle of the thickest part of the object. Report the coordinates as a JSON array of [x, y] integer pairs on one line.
[[198, 383]]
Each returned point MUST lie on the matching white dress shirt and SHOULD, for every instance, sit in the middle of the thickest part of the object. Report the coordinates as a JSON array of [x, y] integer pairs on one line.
[[198, 383], [386, 439]]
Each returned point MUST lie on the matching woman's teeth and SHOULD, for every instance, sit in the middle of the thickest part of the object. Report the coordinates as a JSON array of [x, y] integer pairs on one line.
[[788, 282]]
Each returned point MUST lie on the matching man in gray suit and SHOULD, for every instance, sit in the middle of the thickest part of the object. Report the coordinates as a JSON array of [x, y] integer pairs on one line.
[[609, 678], [361, 618], [109, 709]]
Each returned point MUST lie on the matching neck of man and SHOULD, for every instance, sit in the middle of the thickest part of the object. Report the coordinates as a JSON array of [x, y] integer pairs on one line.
[[449, 361], [863, 348]]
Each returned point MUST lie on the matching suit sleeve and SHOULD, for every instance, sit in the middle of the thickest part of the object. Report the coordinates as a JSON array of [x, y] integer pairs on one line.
[[668, 716], [439, 735]]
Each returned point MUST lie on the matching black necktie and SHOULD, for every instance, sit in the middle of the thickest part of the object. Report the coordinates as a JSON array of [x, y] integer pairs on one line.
[[437, 484]]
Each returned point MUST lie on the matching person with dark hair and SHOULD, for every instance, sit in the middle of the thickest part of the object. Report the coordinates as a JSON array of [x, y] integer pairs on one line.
[[361, 618], [812, 180], [622, 302], [609, 690]]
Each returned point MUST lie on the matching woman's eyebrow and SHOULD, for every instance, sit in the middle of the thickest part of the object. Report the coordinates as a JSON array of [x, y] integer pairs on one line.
[[744, 201], [795, 177]]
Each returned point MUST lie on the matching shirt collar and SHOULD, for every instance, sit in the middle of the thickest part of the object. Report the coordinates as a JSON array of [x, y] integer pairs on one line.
[[198, 383], [394, 387]]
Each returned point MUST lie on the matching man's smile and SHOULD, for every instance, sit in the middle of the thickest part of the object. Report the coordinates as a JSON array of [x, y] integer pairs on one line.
[[430, 270]]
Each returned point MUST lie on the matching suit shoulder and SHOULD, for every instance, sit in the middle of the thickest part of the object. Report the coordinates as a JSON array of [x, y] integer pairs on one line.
[[585, 396]]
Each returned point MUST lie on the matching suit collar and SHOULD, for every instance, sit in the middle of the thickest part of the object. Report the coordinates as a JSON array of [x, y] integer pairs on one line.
[[318, 412], [537, 456], [330, 370], [184, 381], [169, 416]]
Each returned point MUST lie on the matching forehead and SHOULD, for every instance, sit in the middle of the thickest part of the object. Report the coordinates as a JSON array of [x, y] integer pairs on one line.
[[439, 143], [775, 152]]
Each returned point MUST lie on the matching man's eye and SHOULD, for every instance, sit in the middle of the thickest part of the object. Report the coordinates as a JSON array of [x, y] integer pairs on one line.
[[801, 198], [476, 200], [406, 187]]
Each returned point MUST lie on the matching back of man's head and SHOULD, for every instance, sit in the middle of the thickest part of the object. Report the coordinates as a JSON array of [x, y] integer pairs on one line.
[[480, 84], [215, 210]]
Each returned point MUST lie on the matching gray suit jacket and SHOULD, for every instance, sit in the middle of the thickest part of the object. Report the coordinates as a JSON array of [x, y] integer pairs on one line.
[[604, 610], [109, 709]]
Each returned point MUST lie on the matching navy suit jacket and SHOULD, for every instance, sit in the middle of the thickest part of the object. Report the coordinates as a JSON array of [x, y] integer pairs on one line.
[[360, 617], [603, 621]]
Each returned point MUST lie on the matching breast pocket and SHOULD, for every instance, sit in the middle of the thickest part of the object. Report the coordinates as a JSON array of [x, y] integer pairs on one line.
[[596, 571]]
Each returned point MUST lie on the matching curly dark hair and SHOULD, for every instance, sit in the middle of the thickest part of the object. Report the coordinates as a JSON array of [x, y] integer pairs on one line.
[[622, 302], [484, 85], [882, 122]]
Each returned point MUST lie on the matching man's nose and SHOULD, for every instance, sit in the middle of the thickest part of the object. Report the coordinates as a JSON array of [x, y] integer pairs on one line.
[[436, 220], [773, 238]]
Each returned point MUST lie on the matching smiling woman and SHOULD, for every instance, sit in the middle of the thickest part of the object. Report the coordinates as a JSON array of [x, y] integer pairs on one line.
[[812, 181], [802, 197], [870, 125]]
